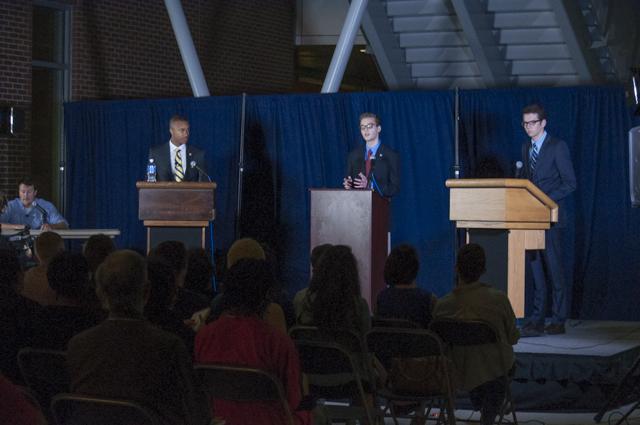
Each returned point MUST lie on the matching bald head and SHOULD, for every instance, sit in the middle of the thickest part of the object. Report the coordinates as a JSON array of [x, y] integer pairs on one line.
[[121, 282]]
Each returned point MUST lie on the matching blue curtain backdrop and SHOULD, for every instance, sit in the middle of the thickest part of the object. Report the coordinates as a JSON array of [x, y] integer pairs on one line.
[[297, 142]]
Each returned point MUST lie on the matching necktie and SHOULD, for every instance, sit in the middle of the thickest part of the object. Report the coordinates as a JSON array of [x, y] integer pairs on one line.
[[367, 163], [179, 176], [534, 158]]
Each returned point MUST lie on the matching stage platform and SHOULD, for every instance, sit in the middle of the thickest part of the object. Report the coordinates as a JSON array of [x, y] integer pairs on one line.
[[576, 371]]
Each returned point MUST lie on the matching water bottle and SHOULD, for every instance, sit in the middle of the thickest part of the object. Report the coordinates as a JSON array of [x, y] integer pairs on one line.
[[151, 171]]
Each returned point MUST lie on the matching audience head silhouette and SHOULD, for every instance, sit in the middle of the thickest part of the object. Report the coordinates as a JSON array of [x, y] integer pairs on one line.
[[162, 282], [470, 263], [121, 283], [174, 253], [68, 275], [245, 248], [402, 265], [334, 289], [316, 253], [47, 246], [247, 284], [97, 248]]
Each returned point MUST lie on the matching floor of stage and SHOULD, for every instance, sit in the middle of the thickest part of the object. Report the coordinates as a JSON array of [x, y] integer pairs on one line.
[[576, 371]]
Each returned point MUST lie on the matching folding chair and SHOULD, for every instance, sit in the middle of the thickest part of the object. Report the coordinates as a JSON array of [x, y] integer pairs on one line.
[[387, 322], [242, 384], [627, 391], [332, 362], [74, 409], [475, 332], [393, 343], [45, 374]]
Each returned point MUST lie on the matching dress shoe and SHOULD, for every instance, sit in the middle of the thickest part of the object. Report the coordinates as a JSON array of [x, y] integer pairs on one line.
[[555, 329], [531, 330]]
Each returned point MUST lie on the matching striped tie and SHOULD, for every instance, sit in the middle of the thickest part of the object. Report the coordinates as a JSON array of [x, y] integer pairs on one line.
[[534, 158], [179, 176]]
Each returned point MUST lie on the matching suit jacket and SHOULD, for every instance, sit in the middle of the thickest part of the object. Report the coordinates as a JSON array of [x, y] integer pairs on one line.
[[554, 173], [133, 360], [160, 154], [385, 169]]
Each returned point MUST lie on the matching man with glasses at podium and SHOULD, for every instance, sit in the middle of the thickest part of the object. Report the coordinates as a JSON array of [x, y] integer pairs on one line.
[[377, 166], [547, 163]]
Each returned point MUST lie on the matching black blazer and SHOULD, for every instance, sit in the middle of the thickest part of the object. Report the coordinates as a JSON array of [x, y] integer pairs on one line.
[[386, 168], [554, 173], [160, 154]]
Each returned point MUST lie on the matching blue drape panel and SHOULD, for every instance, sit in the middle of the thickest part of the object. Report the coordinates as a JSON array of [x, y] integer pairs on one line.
[[297, 142], [107, 148]]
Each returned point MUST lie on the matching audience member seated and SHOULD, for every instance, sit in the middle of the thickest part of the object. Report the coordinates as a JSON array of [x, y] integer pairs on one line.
[[240, 337], [54, 325], [127, 357], [199, 272], [36, 287], [403, 299], [16, 408], [162, 295], [187, 301], [480, 369], [332, 301], [243, 249], [278, 293], [95, 250], [17, 314]]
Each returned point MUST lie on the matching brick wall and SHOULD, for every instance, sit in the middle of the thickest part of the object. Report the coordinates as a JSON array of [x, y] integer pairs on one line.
[[125, 49], [15, 88]]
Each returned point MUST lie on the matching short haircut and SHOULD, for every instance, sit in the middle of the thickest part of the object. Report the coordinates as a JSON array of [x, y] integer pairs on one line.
[[247, 284], [471, 262], [68, 275], [121, 280], [535, 108], [174, 252], [27, 181], [245, 248], [402, 265], [369, 115], [97, 248], [48, 245], [10, 270], [177, 118]]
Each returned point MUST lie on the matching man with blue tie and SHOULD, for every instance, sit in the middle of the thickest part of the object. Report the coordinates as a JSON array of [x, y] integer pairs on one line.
[[547, 163]]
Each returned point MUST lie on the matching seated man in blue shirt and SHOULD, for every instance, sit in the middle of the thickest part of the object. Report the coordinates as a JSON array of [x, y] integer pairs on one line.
[[28, 210]]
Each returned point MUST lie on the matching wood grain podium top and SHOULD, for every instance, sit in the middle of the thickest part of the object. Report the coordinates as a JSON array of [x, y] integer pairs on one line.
[[176, 185]]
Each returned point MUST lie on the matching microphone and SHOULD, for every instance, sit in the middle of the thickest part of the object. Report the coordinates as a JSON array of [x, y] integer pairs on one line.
[[194, 164], [519, 169], [45, 214]]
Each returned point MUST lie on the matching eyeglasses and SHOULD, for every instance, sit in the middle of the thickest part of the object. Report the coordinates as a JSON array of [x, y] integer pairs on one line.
[[527, 124], [368, 126]]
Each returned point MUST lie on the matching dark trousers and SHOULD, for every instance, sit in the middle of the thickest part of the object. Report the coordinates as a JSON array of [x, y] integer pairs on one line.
[[488, 398], [548, 271]]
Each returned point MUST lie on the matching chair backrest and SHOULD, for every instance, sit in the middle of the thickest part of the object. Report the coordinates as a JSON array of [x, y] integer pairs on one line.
[[387, 322], [465, 332], [389, 343], [347, 339], [44, 372], [243, 384], [74, 409]]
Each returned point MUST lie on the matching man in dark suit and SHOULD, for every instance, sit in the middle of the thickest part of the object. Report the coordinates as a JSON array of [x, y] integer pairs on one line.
[[175, 160], [377, 166], [547, 163], [126, 357]]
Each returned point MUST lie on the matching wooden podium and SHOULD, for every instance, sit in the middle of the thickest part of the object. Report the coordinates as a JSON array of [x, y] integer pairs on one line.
[[176, 211], [506, 217], [360, 219]]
